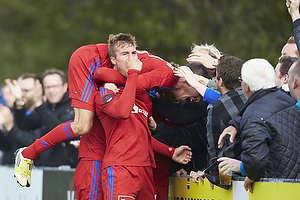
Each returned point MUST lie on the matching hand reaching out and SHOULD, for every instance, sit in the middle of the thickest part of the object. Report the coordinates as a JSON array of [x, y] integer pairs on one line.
[[210, 60], [230, 130], [187, 73], [182, 154]]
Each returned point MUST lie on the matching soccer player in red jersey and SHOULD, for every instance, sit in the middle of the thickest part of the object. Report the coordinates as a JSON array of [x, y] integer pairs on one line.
[[129, 158]]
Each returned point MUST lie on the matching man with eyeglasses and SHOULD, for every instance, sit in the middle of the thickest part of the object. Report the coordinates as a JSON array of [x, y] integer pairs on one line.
[[43, 117]]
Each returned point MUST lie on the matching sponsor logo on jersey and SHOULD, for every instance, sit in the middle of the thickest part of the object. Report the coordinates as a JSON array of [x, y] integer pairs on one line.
[[139, 110]]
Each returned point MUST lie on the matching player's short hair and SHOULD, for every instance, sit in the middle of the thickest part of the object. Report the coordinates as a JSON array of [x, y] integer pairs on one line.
[[117, 40]]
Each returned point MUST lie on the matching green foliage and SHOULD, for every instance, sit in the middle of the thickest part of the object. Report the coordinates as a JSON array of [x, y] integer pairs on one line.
[[38, 35]]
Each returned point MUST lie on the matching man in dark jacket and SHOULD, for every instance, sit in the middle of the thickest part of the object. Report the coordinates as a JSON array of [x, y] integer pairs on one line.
[[269, 127], [55, 110]]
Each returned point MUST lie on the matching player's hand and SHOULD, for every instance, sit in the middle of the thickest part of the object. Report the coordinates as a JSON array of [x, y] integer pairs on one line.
[[196, 176], [151, 123], [182, 154], [112, 87], [75, 143], [179, 172], [230, 130], [134, 63]]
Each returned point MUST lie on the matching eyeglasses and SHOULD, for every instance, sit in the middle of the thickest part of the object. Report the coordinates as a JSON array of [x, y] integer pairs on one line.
[[53, 86], [240, 79]]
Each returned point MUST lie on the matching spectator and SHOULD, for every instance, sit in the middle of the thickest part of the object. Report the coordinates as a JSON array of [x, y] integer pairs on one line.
[[28, 93], [7, 146], [290, 48], [222, 111], [269, 130], [55, 110], [281, 71], [294, 82], [228, 105]]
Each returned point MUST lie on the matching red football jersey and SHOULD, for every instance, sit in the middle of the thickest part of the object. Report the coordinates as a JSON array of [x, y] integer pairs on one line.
[[125, 121]]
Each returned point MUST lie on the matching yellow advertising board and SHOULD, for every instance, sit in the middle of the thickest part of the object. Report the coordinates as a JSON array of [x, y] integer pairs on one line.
[[186, 189]]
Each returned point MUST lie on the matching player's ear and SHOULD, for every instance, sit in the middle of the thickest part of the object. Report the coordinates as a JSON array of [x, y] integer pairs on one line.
[[113, 60]]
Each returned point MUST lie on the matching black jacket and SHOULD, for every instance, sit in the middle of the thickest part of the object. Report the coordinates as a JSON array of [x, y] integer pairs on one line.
[[270, 135], [47, 117]]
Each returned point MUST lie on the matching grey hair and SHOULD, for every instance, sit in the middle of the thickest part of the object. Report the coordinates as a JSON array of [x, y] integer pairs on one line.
[[258, 73]]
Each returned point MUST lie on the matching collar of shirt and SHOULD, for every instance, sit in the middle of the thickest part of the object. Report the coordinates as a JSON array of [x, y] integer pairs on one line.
[[298, 104]]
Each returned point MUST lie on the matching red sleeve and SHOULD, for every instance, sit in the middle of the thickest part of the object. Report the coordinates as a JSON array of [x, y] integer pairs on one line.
[[162, 148], [120, 108], [108, 75]]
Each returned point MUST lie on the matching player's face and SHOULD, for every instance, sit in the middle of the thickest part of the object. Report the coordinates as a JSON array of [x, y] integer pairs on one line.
[[122, 54]]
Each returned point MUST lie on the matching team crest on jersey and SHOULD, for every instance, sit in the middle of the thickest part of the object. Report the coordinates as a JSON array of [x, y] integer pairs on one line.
[[107, 98]]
